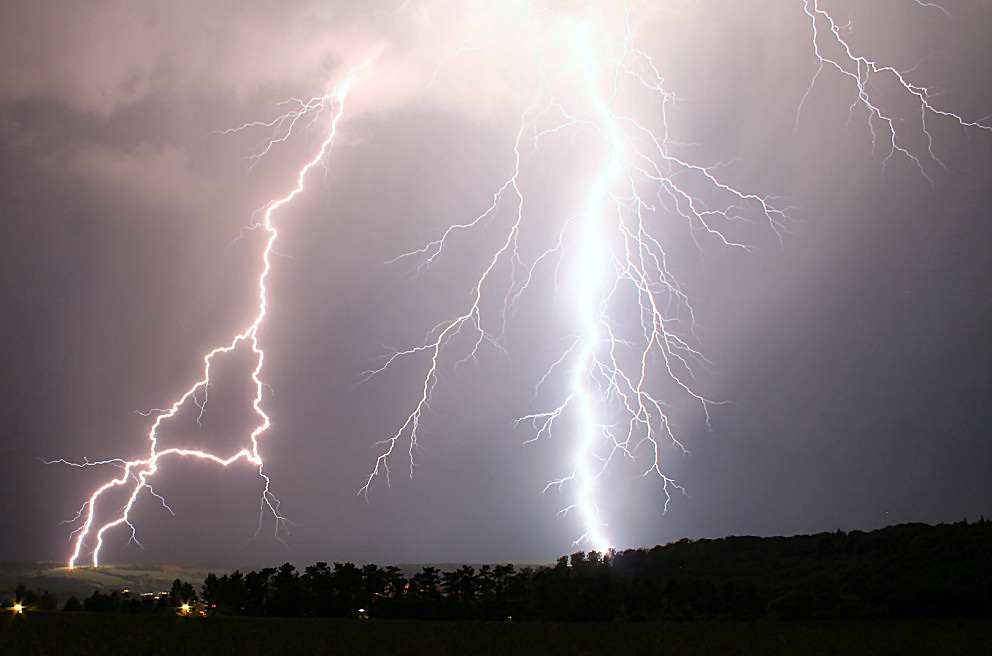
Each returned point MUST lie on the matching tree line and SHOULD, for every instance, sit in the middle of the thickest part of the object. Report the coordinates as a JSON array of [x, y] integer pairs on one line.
[[905, 571]]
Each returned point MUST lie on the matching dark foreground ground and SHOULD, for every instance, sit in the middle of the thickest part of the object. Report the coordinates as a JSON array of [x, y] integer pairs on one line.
[[89, 633]]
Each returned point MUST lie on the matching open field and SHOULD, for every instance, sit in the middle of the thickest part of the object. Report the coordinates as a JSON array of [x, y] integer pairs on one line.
[[54, 634]]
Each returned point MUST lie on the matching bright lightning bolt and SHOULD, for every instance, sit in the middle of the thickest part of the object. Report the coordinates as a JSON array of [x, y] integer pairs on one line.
[[606, 253], [631, 352], [136, 475], [612, 249], [834, 52]]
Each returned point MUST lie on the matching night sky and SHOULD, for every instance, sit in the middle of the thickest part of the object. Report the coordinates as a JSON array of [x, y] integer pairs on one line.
[[853, 349]]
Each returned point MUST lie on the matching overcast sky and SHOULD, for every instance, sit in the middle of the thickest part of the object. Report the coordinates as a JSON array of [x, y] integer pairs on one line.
[[854, 348]]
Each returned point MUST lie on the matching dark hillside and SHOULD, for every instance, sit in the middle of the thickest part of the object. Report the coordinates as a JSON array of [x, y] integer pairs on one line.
[[905, 571], [910, 571]]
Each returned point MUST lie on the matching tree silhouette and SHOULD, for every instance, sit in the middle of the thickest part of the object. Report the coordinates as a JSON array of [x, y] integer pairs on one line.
[[906, 571]]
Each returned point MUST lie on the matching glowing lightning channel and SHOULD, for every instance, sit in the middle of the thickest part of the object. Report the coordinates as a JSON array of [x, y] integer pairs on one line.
[[136, 474], [592, 262], [612, 249], [606, 250], [864, 72], [609, 254]]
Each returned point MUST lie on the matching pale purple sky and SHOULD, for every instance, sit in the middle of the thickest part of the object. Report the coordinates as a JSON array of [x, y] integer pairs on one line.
[[855, 350]]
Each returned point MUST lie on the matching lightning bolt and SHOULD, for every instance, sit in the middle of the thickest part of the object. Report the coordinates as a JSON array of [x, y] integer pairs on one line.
[[612, 249], [632, 351], [605, 253], [867, 76], [136, 475]]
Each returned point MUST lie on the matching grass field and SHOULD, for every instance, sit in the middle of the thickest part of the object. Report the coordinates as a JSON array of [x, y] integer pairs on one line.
[[90, 633]]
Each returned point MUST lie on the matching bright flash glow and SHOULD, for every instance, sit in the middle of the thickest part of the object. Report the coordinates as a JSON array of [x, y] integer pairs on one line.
[[18, 608], [597, 99]]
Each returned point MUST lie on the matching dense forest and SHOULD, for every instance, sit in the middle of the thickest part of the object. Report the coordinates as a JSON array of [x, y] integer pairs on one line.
[[905, 571]]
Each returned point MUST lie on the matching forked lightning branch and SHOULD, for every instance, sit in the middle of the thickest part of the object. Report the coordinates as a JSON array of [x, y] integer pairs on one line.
[[620, 362]]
